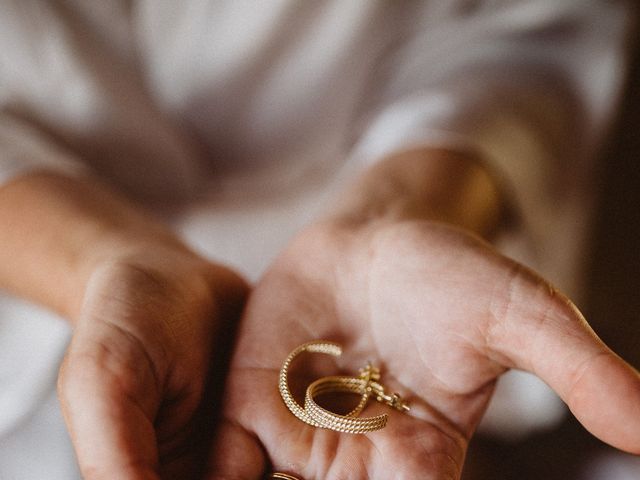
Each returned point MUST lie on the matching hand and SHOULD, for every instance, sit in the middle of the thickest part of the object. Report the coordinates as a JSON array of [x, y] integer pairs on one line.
[[444, 315], [136, 382], [151, 322]]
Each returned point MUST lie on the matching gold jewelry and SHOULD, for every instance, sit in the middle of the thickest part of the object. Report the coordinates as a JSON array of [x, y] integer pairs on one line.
[[328, 348], [337, 422], [283, 476], [366, 384]]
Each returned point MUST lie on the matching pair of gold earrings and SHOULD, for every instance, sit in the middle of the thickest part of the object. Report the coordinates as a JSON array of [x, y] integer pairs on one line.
[[365, 384]]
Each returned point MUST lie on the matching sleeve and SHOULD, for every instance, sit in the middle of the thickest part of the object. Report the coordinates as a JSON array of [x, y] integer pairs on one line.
[[74, 99], [529, 85], [24, 149], [34, 71]]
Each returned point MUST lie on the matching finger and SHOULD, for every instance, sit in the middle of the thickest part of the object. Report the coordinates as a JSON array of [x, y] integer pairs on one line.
[[107, 400], [540, 330], [236, 454]]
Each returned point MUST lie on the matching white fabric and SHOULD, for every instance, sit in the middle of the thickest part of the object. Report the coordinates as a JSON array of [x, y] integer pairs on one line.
[[236, 120], [612, 466]]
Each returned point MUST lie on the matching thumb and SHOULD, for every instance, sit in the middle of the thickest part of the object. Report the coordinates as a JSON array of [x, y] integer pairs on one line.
[[111, 429], [539, 330]]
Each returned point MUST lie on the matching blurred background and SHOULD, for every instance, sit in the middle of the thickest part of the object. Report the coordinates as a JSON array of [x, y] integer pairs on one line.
[[612, 306]]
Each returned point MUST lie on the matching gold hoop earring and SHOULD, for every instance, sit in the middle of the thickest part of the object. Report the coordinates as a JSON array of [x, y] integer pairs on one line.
[[335, 421], [366, 385], [319, 346]]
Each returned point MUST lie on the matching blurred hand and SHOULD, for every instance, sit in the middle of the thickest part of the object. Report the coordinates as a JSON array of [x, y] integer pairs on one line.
[[135, 385], [151, 322], [444, 315]]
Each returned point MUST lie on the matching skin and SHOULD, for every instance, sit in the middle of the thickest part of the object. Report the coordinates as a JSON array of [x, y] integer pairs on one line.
[[148, 315], [397, 272]]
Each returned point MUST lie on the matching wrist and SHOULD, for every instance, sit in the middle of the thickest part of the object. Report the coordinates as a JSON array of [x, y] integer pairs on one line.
[[426, 184], [152, 250], [73, 226]]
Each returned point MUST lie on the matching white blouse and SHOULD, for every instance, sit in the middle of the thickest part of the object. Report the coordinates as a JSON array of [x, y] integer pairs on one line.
[[238, 120]]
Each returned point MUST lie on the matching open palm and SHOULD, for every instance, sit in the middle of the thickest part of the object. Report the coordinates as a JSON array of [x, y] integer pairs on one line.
[[444, 316]]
